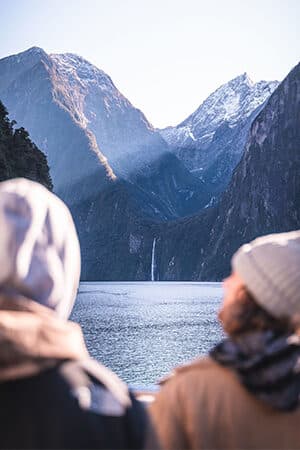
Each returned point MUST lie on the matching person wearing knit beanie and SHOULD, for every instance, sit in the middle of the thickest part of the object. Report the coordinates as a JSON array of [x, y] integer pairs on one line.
[[270, 268], [246, 392]]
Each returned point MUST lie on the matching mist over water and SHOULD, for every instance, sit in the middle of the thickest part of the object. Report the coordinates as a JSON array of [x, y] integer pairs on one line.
[[142, 330]]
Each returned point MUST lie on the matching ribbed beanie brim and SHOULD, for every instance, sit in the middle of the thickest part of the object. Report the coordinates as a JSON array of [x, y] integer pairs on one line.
[[270, 268]]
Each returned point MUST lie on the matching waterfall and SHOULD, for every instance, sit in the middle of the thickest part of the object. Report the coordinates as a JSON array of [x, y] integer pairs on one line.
[[153, 265]]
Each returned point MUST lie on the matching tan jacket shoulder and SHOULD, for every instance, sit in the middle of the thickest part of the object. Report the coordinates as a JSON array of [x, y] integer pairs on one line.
[[204, 363], [203, 405]]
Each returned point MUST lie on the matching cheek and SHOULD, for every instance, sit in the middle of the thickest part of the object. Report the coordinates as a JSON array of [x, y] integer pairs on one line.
[[225, 317], [229, 297], [221, 313], [225, 302]]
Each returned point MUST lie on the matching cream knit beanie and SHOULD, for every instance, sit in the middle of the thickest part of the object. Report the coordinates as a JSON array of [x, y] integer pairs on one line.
[[270, 268]]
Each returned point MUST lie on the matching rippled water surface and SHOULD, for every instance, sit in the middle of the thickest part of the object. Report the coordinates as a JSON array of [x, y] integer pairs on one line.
[[142, 330]]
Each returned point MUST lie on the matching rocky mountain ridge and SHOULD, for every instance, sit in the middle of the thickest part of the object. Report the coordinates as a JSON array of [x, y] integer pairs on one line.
[[232, 101], [210, 141], [85, 125]]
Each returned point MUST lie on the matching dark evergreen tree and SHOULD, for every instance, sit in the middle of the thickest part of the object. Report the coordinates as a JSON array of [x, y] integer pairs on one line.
[[19, 156]]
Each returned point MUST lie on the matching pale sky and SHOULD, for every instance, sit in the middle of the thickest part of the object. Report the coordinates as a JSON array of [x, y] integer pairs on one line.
[[165, 56]]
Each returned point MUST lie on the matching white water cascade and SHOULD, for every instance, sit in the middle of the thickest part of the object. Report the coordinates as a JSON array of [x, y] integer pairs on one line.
[[153, 265]]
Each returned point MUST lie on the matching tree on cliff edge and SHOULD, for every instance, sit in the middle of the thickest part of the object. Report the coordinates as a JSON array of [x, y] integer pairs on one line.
[[19, 156]]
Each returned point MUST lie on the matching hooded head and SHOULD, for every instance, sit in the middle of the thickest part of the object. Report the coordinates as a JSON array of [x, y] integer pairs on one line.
[[39, 248]]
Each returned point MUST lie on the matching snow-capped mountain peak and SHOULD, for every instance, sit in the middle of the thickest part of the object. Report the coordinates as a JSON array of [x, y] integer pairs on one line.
[[230, 103], [89, 90], [241, 79], [73, 65], [210, 141]]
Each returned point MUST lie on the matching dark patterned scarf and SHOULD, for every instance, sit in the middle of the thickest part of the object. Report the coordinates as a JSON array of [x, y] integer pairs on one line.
[[267, 364]]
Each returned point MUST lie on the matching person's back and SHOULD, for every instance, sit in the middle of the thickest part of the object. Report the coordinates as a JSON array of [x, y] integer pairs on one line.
[[66, 407], [246, 394], [52, 394], [204, 406]]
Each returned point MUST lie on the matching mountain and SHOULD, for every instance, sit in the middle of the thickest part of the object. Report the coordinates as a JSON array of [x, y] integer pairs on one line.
[[27, 87], [263, 196], [114, 235], [264, 193], [140, 213], [19, 156], [210, 141], [85, 126]]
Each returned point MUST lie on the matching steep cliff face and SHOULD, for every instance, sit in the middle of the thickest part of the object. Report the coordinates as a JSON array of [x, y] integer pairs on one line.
[[210, 142], [263, 195], [113, 236], [19, 156], [85, 125]]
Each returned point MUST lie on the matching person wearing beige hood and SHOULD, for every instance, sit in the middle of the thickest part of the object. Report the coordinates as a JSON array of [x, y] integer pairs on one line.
[[52, 394], [246, 393]]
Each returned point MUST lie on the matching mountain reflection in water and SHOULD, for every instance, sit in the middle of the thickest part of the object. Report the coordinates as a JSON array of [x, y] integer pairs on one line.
[[142, 330]]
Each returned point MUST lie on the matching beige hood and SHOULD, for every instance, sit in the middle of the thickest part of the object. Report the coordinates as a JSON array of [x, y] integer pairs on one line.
[[39, 248]]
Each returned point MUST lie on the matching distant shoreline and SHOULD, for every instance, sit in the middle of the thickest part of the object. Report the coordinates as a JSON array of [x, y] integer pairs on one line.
[[162, 283]]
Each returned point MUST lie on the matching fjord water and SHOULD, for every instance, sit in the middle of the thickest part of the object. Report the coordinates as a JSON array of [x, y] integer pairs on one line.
[[142, 330]]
